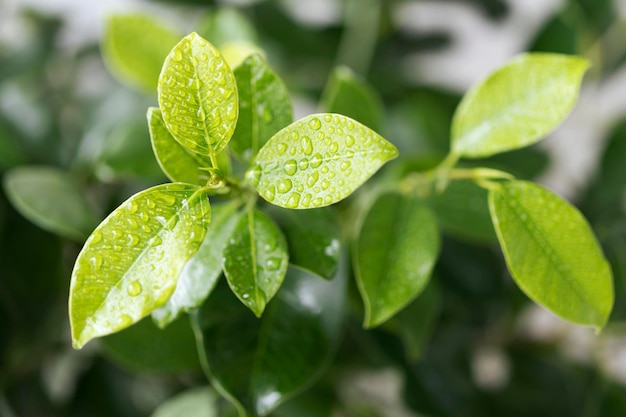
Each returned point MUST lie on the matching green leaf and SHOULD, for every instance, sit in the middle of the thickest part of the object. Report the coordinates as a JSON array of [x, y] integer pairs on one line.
[[175, 160], [257, 364], [130, 264], [312, 238], [264, 107], [194, 402], [237, 51], [517, 105], [552, 253], [198, 96], [255, 260], [226, 25], [394, 255], [317, 161], [347, 94], [202, 271], [10, 153], [51, 199], [145, 347], [134, 47]]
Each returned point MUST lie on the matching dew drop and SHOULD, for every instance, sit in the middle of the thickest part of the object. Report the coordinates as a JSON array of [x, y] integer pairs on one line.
[[177, 55], [155, 241], [312, 179], [317, 202], [306, 201], [307, 145], [273, 264], [349, 153], [96, 237], [328, 199], [345, 165], [303, 164], [149, 203], [334, 147], [291, 166], [316, 160], [350, 125], [134, 289], [325, 184], [315, 123], [132, 240], [328, 117], [96, 262], [270, 193], [125, 321], [293, 201], [324, 169], [294, 135], [133, 207], [282, 147], [300, 188], [284, 186], [245, 296]]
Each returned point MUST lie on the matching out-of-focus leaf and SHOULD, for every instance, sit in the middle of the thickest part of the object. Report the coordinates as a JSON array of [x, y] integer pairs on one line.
[[195, 402], [134, 47], [236, 52], [145, 347], [259, 364], [51, 199], [130, 264], [226, 24], [10, 153]]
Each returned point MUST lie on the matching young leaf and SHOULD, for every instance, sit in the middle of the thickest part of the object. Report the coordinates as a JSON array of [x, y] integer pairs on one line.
[[194, 402], [175, 160], [134, 47], [552, 253], [312, 238], [264, 107], [317, 161], [51, 199], [394, 256], [255, 260], [257, 364], [517, 105], [202, 271], [346, 94], [198, 96], [130, 264]]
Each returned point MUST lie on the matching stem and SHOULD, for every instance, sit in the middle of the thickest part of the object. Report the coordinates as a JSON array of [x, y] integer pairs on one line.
[[362, 20], [478, 174]]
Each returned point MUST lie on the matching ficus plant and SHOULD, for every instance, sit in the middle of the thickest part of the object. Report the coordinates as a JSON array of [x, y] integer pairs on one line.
[[249, 200]]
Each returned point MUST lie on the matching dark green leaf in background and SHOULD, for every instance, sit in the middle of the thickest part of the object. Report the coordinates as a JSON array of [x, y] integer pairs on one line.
[[10, 153]]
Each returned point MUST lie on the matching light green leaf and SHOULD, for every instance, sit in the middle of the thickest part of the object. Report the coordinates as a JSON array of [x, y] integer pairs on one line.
[[264, 107], [130, 264], [175, 160], [144, 347], [347, 94], [51, 199], [255, 260], [317, 161], [237, 51], [395, 254], [198, 96], [517, 105], [552, 253], [134, 47], [258, 364], [226, 24], [194, 402], [202, 271]]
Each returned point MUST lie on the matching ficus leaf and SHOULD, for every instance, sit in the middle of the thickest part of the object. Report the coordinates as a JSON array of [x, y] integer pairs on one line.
[[317, 161], [394, 256], [264, 107], [258, 364], [202, 271], [130, 264], [134, 47], [51, 199], [198, 96], [517, 105], [552, 253], [255, 260]]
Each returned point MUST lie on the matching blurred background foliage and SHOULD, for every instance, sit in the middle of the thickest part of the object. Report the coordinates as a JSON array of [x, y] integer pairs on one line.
[[471, 345]]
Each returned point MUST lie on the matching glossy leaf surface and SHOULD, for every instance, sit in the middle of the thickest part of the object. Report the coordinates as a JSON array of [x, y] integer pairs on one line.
[[134, 47], [255, 260], [194, 402], [394, 256], [517, 105], [51, 199], [346, 94], [202, 271], [174, 159], [258, 364], [312, 238], [130, 264], [317, 161], [552, 253], [264, 106], [198, 96], [144, 347]]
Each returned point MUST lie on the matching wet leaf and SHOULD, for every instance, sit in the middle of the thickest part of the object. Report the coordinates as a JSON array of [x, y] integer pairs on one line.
[[552, 253], [517, 105], [198, 96], [394, 255], [130, 264], [317, 161], [264, 107], [258, 364], [255, 260], [134, 47], [175, 160], [51, 199], [194, 402], [202, 271]]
